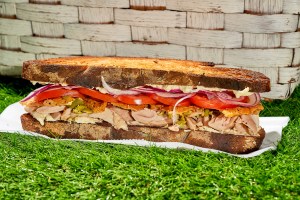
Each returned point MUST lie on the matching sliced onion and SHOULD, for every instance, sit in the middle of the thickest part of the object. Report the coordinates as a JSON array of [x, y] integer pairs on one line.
[[174, 116], [144, 90], [159, 92], [209, 94], [47, 88], [172, 95], [37, 91], [254, 99], [176, 91], [153, 88], [71, 87], [224, 95], [114, 91]]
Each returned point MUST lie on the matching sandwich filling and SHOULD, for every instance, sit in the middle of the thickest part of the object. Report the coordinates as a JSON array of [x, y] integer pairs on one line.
[[215, 111]]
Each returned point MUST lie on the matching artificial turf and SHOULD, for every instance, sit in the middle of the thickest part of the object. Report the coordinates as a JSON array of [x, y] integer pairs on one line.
[[34, 167]]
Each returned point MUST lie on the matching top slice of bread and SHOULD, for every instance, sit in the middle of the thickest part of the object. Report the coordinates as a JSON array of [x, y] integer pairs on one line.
[[124, 72]]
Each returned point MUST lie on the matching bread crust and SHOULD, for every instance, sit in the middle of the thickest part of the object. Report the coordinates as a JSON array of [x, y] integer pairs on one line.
[[236, 144], [124, 72]]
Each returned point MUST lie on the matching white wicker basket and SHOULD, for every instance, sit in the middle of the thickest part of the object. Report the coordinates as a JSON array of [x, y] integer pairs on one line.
[[261, 35]]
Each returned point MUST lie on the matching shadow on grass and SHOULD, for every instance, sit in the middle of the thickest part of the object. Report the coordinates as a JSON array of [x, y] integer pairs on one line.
[[16, 86]]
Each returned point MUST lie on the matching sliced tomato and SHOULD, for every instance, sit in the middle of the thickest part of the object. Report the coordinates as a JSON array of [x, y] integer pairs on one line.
[[97, 95], [136, 99], [55, 93], [169, 101], [214, 103]]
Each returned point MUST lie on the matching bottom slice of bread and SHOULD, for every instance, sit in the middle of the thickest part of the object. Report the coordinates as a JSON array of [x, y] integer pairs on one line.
[[236, 144]]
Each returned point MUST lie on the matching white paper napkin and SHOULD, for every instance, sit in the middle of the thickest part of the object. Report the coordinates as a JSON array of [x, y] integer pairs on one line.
[[10, 122]]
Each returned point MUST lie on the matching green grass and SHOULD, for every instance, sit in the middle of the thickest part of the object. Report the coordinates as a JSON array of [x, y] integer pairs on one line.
[[33, 167]]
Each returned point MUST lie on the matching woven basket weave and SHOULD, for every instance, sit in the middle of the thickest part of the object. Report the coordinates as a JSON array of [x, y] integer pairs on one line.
[[261, 35]]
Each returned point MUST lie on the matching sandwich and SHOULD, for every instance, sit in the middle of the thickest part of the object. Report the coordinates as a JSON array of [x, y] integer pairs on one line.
[[160, 100]]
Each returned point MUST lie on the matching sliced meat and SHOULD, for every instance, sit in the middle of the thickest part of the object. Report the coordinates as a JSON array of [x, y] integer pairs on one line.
[[196, 117], [125, 114], [149, 117], [199, 121], [205, 120], [56, 116], [247, 124], [106, 115], [53, 117], [250, 121], [66, 114], [191, 123], [118, 122], [241, 128], [222, 123], [50, 109], [40, 117]]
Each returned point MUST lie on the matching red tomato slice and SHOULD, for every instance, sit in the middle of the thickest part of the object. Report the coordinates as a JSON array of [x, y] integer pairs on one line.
[[55, 93], [136, 99], [169, 101], [215, 103], [97, 95]]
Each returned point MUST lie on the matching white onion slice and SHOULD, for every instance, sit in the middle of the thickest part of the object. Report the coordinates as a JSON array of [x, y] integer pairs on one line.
[[174, 116], [114, 91]]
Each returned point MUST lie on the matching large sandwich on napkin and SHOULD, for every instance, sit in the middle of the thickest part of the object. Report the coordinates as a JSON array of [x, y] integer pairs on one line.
[[161, 100]]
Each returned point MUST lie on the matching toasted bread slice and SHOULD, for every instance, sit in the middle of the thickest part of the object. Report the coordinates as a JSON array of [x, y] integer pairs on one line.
[[123, 73], [236, 144]]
